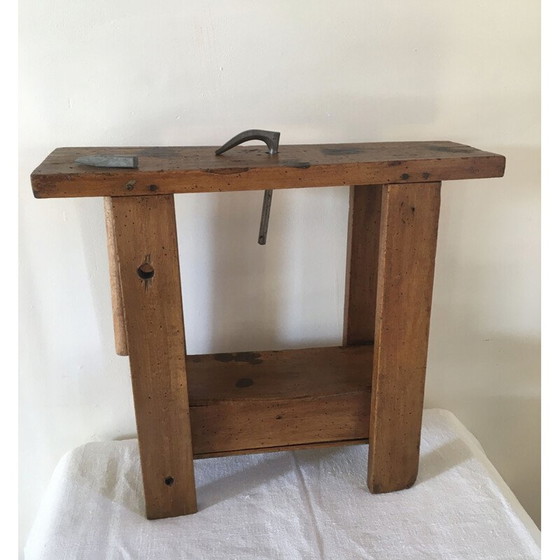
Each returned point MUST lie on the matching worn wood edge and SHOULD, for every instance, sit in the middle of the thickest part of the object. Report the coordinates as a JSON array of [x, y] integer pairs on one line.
[[295, 447], [346, 326], [153, 183], [119, 323]]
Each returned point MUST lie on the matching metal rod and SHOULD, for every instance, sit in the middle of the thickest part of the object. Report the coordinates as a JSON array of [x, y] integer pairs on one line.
[[265, 215]]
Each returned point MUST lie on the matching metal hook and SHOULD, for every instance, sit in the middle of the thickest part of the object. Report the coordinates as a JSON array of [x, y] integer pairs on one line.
[[272, 140], [269, 137]]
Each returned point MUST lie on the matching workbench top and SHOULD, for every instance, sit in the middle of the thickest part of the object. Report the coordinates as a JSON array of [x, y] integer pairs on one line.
[[168, 169]]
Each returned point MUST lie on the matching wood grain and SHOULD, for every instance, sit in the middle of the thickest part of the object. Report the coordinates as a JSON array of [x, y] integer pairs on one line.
[[119, 326], [264, 400], [409, 223], [295, 447], [165, 170], [361, 267], [145, 236]]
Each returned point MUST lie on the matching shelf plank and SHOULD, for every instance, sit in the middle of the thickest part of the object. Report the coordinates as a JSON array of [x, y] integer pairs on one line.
[[280, 374], [251, 401], [168, 170]]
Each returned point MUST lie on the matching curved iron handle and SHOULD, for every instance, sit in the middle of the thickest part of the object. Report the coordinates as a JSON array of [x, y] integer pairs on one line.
[[272, 140], [269, 137]]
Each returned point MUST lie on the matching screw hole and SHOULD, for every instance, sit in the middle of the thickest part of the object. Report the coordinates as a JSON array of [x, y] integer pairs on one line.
[[146, 271], [169, 481]]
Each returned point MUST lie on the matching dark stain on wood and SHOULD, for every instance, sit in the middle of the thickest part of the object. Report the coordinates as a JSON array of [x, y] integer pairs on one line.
[[450, 149], [395, 163], [244, 382], [341, 151], [405, 176], [297, 164], [230, 171], [160, 151], [245, 357]]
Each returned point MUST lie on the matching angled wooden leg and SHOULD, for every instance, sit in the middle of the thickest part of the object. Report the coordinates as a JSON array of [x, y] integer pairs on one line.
[[146, 243], [407, 248]]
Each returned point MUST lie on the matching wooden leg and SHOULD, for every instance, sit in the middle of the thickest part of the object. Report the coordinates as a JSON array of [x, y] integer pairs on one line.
[[361, 268], [407, 248], [146, 242]]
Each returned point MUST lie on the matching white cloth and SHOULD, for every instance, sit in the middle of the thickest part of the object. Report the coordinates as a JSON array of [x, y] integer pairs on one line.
[[307, 504]]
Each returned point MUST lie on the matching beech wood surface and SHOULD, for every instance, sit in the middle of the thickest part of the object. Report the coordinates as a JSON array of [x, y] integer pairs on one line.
[[407, 247], [165, 170], [146, 242], [361, 267], [277, 399], [119, 326]]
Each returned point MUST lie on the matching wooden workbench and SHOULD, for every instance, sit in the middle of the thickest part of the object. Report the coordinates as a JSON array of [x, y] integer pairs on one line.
[[369, 390]]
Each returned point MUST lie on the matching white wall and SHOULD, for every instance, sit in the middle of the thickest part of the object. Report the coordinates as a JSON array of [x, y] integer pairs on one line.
[[194, 73]]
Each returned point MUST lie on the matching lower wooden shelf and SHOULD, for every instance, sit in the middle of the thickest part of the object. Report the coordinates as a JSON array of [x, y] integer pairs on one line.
[[251, 402]]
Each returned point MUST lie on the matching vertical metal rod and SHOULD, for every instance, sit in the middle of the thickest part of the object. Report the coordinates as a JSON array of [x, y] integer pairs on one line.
[[265, 215]]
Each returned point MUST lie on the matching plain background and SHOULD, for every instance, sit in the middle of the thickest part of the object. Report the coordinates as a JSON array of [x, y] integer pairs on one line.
[[181, 73]]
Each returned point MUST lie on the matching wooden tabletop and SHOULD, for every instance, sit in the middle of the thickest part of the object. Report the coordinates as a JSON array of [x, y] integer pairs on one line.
[[165, 170]]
